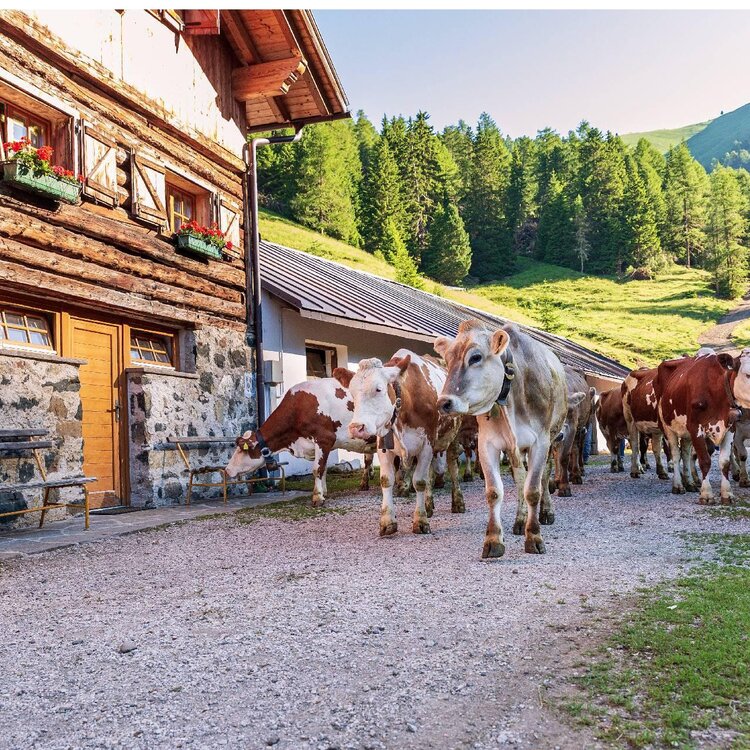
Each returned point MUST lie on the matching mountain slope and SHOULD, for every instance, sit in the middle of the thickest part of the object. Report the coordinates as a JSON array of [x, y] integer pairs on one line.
[[663, 140], [721, 136]]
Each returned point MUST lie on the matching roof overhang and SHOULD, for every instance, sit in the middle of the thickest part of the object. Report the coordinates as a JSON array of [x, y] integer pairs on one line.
[[285, 76]]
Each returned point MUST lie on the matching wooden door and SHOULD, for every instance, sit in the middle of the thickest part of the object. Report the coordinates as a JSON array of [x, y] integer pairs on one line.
[[99, 345]]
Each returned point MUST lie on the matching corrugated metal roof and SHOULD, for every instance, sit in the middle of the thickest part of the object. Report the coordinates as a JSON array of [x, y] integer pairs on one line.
[[325, 290]]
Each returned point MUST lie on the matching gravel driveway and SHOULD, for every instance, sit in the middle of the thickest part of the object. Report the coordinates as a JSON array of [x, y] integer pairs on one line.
[[317, 633]]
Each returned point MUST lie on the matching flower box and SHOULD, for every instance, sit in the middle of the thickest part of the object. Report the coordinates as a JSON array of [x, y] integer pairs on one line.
[[195, 245], [48, 185]]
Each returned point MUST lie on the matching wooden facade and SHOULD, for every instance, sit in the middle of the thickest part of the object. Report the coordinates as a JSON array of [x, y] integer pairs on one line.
[[153, 109]]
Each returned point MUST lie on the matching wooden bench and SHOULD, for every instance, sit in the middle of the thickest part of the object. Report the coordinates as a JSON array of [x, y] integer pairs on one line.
[[18, 442], [184, 444]]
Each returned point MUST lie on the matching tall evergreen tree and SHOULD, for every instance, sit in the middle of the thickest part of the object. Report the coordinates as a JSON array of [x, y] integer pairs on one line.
[[492, 252], [326, 182], [398, 256], [556, 234], [458, 139], [519, 198], [685, 188], [639, 220], [727, 225], [448, 255], [582, 246]]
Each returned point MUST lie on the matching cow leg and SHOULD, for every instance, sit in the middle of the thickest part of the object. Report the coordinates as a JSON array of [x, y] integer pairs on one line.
[[532, 491], [742, 461], [695, 480], [439, 465], [562, 464], [668, 454], [643, 453], [366, 473], [468, 469], [689, 472], [656, 449], [547, 512], [575, 463], [388, 523], [420, 477], [518, 470], [704, 459], [725, 452], [678, 488], [489, 456], [429, 501], [319, 476], [457, 497], [634, 439]]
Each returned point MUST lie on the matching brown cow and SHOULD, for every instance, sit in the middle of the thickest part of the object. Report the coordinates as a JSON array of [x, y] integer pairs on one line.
[[468, 436], [311, 420], [640, 409], [696, 404], [568, 452], [612, 423], [397, 403]]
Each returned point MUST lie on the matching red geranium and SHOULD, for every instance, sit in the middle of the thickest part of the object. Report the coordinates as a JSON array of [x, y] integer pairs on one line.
[[37, 161], [213, 235]]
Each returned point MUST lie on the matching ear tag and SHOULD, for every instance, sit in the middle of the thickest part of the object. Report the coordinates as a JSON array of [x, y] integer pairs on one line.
[[245, 447]]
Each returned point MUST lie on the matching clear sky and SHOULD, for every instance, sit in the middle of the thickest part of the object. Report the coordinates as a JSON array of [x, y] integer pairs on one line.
[[623, 71]]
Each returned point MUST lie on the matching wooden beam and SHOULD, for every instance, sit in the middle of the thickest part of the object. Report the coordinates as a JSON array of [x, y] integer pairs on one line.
[[243, 42], [267, 79]]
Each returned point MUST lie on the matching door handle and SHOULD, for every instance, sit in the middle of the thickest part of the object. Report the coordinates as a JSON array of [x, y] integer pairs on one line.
[[116, 410]]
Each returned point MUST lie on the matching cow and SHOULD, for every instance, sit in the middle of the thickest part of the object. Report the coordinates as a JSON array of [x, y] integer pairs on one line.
[[468, 435], [697, 403], [568, 452], [742, 426], [396, 403], [515, 385], [640, 409], [612, 423], [310, 421]]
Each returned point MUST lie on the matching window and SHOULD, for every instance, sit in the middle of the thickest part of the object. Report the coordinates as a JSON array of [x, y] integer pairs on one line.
[[321, 361], [18, 123], [181, 207], [151, 348], [20, 328]]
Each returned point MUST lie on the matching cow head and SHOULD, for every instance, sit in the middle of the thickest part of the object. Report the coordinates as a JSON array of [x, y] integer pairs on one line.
[[246, 457], [476, 370], [374, 397], [742, 381]]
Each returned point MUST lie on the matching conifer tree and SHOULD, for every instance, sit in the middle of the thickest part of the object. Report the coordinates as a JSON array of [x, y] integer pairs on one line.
[[398, 256], [639, 220], [556, 233], [448, 255], [458, 140], [581, 247]]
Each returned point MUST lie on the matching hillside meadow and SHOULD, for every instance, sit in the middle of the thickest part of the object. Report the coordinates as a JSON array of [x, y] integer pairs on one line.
[[635, 322]]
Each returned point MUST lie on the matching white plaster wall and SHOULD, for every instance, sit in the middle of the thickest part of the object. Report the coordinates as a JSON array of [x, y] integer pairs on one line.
[[285, 333]]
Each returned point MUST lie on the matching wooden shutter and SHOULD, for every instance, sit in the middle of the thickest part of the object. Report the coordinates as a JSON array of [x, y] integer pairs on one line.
[[229, 223], [149, 190], [99, 165]]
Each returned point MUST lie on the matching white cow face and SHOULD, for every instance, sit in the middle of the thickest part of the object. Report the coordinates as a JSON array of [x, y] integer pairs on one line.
[[742, 381], [475, 368], [246, 457], [374, 401]]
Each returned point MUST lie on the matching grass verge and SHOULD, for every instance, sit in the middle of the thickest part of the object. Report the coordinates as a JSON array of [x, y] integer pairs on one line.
[[677, 675]]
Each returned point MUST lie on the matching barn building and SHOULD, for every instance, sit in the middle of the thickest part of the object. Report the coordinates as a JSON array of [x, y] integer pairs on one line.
[[111, 337]]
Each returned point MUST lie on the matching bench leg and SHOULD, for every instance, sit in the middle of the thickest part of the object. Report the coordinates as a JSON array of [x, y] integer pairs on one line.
[[224, 485], [190, 489], [44, 506], [86, 507]]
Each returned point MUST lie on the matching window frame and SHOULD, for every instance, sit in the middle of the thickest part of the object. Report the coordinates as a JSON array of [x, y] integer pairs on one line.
[[26, 311], [185, 197], [13, 111], [170, 336], [202, 197], [326, 349]]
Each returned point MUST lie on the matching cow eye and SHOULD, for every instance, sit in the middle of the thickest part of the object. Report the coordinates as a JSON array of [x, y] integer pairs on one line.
[[475, 358], [378, 389]]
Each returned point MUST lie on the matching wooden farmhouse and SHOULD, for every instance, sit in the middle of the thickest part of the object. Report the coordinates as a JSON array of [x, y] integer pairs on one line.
[[111, 337]]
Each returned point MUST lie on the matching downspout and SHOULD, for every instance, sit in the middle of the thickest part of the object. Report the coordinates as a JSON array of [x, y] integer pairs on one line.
[[253, 293]]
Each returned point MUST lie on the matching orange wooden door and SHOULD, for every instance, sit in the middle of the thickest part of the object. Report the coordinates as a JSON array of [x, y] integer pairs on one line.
[[99, 345]]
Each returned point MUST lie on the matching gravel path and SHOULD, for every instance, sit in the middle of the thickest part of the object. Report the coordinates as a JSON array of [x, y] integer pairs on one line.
[[319, 634], [719, 337]]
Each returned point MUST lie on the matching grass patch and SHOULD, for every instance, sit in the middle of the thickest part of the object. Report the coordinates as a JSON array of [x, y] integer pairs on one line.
[[337, 483], [298, 509], [741, 335], [664, 139], [681, 665], [740, 509]]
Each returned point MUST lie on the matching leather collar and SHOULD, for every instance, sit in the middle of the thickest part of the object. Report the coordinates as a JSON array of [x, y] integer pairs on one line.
[[265, 452], [509, 376]]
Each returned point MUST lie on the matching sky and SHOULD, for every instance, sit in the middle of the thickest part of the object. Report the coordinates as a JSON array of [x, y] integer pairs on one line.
[[622, 71]]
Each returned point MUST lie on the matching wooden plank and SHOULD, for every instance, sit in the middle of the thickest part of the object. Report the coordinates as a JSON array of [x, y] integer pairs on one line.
[[23, 433], [69, 482], [267, 79], [193, 440], [16, 447]]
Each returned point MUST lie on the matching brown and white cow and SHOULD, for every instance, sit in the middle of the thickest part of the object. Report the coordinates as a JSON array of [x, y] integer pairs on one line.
[[311, 421], [696, 404], [612, 424], [742, 426], [516, 387], [396, 402], [468, 439], [568, 452], [640, 409]]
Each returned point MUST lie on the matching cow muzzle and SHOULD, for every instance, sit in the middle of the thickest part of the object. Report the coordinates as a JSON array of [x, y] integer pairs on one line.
[[450, 405], [359, 431]]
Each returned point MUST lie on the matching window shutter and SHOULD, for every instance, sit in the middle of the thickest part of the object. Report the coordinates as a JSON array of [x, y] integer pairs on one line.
[[99, 162], [229, 223], [149, 190]]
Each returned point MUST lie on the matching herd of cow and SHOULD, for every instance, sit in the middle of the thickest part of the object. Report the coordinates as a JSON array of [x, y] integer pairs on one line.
[[502, 394]]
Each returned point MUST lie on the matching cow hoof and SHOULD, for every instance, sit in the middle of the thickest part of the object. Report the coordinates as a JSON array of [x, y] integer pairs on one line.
[[535, 546], [546, 517], [318, 501], [678, 490], [662, 475], [736, 476], [467, 478], [519, 526], [422, 526], [727, 499], [703, 500], [576, 480], [389, 529], [692, 488], [364, 487], [613, 470], [552, 486], [564, 492], [635, 475], [439, 483], [492, 550], [744, 482]]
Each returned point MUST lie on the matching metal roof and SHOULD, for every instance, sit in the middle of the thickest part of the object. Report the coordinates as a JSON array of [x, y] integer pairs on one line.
[[324, 290]]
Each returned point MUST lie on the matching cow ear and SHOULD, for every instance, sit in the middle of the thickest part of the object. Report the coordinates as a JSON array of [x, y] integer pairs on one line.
[[574, 399], [441, 345], [343, 375], [500, 341], [726, 361]]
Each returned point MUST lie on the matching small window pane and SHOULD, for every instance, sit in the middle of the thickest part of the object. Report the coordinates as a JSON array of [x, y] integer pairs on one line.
[[151, 348], [35, 136], [17, 334], [12, 319], [16, 129], [38, 337], [20, 328]]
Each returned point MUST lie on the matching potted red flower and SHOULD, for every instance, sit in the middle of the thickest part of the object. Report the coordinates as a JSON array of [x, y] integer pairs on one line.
[[29, 169], [193, 237]]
